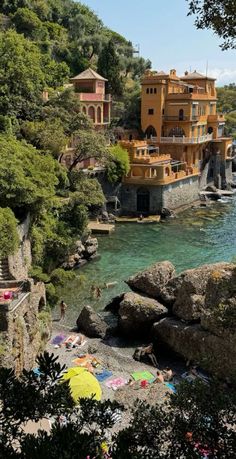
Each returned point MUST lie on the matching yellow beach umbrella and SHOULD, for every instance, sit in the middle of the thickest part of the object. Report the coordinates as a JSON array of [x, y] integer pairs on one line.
[[82, 384]]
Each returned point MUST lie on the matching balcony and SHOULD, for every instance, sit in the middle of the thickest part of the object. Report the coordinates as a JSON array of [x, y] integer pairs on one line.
[[184, 140], [217, 118], [93, 97], [183, 118]]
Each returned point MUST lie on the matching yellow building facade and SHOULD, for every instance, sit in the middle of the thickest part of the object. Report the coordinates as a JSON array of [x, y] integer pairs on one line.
[[184, 147], [179, 114], [150, 167]]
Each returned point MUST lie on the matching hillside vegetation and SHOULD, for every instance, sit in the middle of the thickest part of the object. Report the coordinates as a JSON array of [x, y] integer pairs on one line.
[[227, 105], [42, 44]]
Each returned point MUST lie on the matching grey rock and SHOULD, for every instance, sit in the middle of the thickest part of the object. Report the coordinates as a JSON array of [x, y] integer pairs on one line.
[[79, 247], [215, 354], [211, 188], [91, 246], [114, 304], [91, 323], [137, 314], [188, 290], [219, 315], [152, 280]]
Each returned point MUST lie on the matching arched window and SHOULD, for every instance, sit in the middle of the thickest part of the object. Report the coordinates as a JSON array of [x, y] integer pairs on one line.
[[99, 115], [91, 113], [210, 130], [167, 172], [84, 110], [150, 132], [181, 114]]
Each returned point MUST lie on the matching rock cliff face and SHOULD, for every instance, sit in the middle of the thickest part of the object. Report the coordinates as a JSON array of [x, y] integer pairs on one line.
[[25, 325], [22, 332], [200, 309]]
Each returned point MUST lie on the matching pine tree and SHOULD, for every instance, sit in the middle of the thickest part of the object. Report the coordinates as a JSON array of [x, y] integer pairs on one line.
[[109, 67]]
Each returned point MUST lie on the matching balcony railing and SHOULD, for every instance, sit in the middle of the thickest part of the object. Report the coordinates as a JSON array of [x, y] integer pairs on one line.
[[93, 97], [200, 139], [183, 118]]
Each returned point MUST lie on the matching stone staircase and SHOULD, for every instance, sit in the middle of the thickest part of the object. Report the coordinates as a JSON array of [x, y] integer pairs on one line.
[[4, 270]]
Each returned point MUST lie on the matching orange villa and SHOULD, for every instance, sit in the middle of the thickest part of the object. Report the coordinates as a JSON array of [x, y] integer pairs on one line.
[[184, 146]]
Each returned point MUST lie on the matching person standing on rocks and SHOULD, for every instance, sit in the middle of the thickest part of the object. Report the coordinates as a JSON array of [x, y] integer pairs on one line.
[[63, 308]]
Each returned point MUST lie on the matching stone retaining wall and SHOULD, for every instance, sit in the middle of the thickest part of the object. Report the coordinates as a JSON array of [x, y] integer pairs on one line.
[[172, 196]]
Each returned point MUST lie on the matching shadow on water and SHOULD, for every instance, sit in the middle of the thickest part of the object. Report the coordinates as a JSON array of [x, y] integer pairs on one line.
[[197, 236]]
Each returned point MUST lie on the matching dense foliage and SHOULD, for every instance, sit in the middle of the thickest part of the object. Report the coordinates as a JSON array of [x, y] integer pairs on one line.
[[218, 15], [227, 104], [199, 420], [119, 165], [8, 226]]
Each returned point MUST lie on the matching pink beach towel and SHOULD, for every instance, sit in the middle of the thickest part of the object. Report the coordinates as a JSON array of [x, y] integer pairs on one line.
[[115, 383]]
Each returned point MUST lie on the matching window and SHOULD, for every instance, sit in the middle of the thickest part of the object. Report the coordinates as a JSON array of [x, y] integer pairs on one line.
[[163, 111], [147, 90], [155, 90], [151, 90], [150, 111]]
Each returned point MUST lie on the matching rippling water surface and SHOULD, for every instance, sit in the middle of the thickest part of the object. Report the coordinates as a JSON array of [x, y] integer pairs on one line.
[[196, 236]]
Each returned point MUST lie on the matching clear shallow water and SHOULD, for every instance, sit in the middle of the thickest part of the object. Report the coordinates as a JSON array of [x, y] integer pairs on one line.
[[195, 237]]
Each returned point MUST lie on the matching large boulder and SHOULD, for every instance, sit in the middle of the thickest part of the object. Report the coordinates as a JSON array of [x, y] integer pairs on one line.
[[215, 354], [91, 323], [91, 246], [189, 289], [138, 313], [152, 280], [219, 315]]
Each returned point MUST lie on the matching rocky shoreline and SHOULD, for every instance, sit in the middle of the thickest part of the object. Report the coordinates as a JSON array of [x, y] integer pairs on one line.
[[85, 251], [192, 314]]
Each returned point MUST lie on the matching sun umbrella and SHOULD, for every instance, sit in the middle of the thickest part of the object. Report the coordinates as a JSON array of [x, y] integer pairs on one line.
[[82, 384]]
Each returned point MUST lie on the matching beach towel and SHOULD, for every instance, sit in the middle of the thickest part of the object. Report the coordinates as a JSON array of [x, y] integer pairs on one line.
[[87, 361], [105, 374], [58, 339], [143, 375], [116, 383], [170, 386]]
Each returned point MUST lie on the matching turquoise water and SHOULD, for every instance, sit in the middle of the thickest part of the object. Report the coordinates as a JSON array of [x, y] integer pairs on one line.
[[196, 236]]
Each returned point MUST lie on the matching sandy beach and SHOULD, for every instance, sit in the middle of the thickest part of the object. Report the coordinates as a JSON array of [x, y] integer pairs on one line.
[[115, 355]]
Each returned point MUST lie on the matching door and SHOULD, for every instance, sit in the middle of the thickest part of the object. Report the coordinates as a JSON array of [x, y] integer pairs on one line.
[[143, 201]]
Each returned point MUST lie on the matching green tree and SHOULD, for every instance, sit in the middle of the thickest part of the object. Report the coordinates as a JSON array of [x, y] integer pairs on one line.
[[88, 191], [28, 23], [218, 15], [46, 135], [9, 238], [119, 165], [90, 144], [27, 178], [109, 67], [21, 76], [200, 417]]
